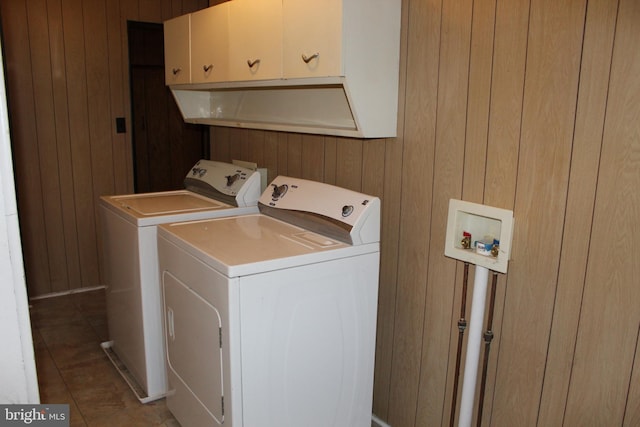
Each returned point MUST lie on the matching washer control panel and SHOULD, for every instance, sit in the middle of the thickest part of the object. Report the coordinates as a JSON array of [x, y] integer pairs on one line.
[[221, 180]]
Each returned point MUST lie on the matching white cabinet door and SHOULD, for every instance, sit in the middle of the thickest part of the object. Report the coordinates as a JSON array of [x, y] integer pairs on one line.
[[209, 44], [255, 39], [177, 50], [312, 38]]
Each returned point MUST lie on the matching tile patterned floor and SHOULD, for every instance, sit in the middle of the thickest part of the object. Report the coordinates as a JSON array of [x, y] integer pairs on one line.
[[73, 369]]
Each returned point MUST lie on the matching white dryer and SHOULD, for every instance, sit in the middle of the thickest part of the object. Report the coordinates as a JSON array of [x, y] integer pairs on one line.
[[130, 262], [270, 318]]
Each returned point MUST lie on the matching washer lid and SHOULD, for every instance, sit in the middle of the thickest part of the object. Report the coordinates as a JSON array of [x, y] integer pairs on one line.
[[165, 203], [151, 209]]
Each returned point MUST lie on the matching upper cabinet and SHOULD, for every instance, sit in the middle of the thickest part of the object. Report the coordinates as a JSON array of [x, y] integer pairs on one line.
[[325, 67], [210, 44], [177, 50], [312, 38], [255, 39]]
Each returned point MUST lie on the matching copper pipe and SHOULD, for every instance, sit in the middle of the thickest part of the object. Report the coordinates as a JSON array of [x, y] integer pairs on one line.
[[462, 325]]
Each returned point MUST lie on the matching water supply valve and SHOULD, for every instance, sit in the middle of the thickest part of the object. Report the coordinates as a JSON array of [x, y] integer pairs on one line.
[[493, 228]]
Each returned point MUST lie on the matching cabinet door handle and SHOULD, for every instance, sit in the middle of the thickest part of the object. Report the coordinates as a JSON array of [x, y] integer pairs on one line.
[[207, 68], [252, 63], [308, 59], [176, 71]]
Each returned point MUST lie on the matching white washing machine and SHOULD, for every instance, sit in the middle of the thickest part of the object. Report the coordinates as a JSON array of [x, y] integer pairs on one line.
[[130, 262], [270, 319]]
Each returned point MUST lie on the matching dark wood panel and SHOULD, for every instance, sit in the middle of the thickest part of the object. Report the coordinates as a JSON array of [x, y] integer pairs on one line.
[[79, 133], [349, 166], [63, 142], [255, 146], [313, 158], [165, 146], [120, 142], [294, 155], [330, 159], [25, 146], [46, 156], [98, 112], [270, 160]]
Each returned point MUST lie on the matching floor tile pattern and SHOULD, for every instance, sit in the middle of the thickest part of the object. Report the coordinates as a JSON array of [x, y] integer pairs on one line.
[[73, 369]]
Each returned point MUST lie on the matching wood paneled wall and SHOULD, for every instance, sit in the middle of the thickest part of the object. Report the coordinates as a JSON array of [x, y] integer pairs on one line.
[[532, 106], [67, 81], [529, 105]]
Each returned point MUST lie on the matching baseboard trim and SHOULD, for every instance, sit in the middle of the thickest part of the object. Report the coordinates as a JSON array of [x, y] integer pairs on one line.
[[72, 291], [377, 422]]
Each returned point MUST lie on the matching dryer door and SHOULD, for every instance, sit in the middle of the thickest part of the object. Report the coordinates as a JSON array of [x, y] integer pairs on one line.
[[194, 350]]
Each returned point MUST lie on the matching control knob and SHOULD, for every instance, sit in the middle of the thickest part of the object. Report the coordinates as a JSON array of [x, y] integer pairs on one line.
[[279, 191], [347, 210], [231, 179]]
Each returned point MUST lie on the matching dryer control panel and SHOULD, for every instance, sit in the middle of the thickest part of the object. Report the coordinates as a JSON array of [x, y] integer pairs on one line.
[[337, 212]]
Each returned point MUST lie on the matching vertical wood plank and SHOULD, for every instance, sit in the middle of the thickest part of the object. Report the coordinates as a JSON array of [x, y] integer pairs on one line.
[[330, 159], [176, 8], [255, 148], [167, 10], [474, 173], [389, 243], [294, 155], [220, 145], [632, 410], [283, 157], [150, 10], [63, 142], [505, 117], [610, 315], [592, 101], [313, 158], [25, 144], [46, 156], [99, 115], [389, 239], [271, 155], [349, 166], [507, 88], [373, 167], [75, 56], [479, 91], [189, 6], [121, 151], [238, 144], [128, 12], [447, 184], [553, 55], [415, 215]]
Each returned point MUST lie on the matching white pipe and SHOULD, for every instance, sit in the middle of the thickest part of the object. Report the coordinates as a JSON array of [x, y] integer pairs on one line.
[[473, 345]]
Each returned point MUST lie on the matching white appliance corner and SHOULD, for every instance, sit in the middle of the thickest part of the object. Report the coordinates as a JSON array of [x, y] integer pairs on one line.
[[18, 374]]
